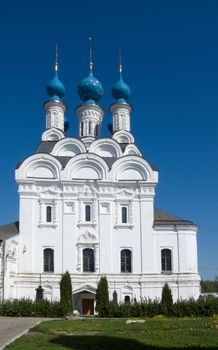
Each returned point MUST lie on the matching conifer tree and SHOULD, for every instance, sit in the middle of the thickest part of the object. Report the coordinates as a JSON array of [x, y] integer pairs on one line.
[[66, 292], [102, 297], [167, 298]]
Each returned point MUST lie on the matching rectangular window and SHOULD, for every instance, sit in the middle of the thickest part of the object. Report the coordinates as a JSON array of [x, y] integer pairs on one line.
[[48, 213], [88, 260], [166, 262], [88, 213], [124, 214], [48, 260], [125, 260]]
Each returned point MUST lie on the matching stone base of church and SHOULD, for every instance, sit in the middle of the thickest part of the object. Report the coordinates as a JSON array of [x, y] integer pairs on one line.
[[135, 286]]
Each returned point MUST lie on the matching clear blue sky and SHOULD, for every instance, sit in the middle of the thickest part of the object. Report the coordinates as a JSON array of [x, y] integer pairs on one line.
[[170, 59]]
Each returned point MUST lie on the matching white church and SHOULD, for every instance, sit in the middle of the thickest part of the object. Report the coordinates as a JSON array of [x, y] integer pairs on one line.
[[86, 205]]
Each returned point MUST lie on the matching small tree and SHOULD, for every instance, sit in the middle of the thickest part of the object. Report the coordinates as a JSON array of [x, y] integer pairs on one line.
[[66, 292], [166, 299], [102, 297]]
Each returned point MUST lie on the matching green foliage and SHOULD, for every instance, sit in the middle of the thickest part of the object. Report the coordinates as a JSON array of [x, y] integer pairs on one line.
[[156, 333], [66, 292], [102, 297], [203, 307], [209, 286], [27, 307], [166, 300]]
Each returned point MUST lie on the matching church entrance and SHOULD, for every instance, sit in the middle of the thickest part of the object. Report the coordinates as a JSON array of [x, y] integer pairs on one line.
[[84, 300], [88, 306]]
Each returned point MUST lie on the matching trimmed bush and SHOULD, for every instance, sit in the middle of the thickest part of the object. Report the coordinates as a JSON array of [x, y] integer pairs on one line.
[[102, 298], [66, 292], [202, 307], [29, 308]]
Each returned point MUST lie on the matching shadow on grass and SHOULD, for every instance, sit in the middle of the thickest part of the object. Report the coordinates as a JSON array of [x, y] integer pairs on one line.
[[108, 343]]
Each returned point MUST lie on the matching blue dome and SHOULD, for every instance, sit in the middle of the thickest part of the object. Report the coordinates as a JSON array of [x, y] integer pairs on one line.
[[121, 91], [55, 88], [90, 89]]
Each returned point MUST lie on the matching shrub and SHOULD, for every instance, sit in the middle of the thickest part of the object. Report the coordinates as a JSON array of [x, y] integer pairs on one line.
[[166, 300], [27, 307], [102, 298], [66, 292]]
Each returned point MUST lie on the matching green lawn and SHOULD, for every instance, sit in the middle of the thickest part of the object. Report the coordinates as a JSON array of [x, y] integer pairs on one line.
[[114, 334]]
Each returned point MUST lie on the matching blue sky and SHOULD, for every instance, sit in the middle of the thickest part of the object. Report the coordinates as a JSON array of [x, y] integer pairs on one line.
[[170, 59]]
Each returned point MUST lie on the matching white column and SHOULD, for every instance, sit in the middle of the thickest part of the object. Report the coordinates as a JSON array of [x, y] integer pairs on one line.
[[79, 256], [96, 253]]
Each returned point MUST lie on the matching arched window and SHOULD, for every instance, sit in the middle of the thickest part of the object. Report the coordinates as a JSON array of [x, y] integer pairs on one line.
[[96, 130], [48, 260], [88, 260], [127, 299], [125, 258], [124, 215], [166, 260], [88, 213], [48, 213]]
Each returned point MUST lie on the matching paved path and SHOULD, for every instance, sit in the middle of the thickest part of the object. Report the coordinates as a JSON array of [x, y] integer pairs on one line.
[[13, 327]]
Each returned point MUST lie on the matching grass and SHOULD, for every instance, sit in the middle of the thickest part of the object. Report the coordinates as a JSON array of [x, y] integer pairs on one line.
[[115, 334]]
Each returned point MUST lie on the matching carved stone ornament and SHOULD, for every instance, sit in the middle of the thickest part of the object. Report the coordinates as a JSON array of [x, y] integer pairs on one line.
[[87, 237]]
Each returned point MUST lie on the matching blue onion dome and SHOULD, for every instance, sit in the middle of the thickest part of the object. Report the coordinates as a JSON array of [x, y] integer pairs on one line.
[[121, 91], [55, 88], [90, 90], [66, 124]]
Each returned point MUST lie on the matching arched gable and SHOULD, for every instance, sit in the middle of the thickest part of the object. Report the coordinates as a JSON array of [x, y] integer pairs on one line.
[[106, 148], [68, 147], [132, 168], [52, 134], [39, 166], [132, 150], [123, 136], [86, 166]]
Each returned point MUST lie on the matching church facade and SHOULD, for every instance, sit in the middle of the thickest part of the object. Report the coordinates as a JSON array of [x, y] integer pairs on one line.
[[86, 205]]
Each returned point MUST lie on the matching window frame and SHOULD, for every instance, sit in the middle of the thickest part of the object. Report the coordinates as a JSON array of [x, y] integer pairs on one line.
[[88, 214], [50, 264], [124, 214], [119, 214], [49, 214], [44, 205], [126, 266], [90, 266], [166, 261]]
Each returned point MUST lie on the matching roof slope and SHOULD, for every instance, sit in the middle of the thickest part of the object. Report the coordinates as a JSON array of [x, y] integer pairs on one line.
[[12, 228], [161, 217]]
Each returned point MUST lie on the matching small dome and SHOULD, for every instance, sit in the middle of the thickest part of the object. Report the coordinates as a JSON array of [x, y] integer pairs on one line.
[[121, 91], [90, 89], [55, 88]]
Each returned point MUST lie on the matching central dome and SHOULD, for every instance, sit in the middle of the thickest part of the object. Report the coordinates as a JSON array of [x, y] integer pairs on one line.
[[90, 90]]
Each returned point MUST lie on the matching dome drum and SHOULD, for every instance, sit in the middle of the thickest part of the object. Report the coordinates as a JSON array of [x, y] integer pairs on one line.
[[55, 114], [90, 117]]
